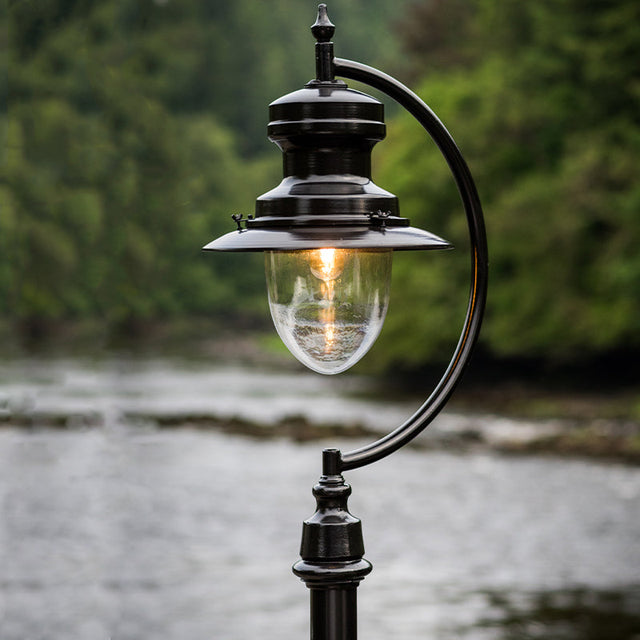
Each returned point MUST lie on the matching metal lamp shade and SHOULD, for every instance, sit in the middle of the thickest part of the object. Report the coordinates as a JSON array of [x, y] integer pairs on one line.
[[326, 198]]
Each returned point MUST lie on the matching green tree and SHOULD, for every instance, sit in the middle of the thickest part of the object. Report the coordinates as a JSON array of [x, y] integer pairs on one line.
[[107, 195], [544, 100], [135, 129]]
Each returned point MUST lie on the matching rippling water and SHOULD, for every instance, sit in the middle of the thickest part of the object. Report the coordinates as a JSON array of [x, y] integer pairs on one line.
[[127, 532]]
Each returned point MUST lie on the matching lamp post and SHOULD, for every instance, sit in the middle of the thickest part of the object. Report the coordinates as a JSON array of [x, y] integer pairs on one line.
[[328, 234]]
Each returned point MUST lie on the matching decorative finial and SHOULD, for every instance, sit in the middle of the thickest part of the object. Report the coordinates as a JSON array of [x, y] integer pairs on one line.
[[323, 29]]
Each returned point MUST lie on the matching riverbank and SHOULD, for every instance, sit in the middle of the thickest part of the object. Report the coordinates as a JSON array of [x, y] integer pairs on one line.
[[610, 440], [585, 423], [245, 391]]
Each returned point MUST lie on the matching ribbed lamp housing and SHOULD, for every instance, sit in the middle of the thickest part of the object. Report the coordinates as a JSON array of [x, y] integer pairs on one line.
[[327, 198]]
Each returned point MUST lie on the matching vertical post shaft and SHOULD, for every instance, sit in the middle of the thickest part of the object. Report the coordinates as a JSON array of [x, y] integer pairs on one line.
[[334, 613]]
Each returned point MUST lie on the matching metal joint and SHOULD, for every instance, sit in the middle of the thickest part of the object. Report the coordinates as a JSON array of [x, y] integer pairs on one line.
[[379, 219], [238, 218]]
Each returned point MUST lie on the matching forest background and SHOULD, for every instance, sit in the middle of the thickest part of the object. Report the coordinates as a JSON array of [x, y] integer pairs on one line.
[[133, 130]]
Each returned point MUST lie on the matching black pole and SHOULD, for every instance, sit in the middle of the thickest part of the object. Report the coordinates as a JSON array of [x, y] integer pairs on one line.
[[332, 563], [334, 613]]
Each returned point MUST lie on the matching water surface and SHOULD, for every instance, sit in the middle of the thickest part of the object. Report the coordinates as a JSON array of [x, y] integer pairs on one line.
[[125, 531]]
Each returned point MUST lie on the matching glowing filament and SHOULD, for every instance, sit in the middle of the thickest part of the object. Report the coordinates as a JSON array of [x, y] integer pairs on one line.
[[327, 264]]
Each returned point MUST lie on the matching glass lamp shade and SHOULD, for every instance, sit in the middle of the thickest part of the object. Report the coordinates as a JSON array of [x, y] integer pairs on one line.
[[328, 305]]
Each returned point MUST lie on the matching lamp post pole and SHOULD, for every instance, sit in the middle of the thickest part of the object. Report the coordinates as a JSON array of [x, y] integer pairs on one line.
[[331, 563], [328, 202]]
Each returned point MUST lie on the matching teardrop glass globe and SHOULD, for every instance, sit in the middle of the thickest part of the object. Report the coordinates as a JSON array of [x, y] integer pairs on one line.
[[328, 305]]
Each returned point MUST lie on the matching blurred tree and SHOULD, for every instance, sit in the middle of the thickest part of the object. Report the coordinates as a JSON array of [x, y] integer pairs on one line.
[[544, 100], [106, 193], [134, 130]]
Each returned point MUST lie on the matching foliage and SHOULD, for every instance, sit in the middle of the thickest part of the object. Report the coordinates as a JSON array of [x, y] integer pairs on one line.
[[544, 100], [135, 128]]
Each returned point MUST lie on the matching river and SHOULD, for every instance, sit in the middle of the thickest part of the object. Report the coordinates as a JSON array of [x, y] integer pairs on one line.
[[113, 528]]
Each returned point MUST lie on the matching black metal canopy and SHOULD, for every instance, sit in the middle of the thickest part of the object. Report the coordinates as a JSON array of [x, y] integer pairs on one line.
[[326, 133]]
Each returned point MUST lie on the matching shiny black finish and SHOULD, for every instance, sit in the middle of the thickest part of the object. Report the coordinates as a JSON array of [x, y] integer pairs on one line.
[[331, 553], [326, 133], [479, 263], [340, 237], [327, 198], [323, 30], [334, 613]]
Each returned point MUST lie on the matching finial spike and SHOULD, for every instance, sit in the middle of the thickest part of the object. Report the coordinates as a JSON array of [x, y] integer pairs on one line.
[[323, 29]]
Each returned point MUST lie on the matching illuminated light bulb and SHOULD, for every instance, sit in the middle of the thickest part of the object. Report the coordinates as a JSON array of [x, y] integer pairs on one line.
[[327, 264], [328, 305]]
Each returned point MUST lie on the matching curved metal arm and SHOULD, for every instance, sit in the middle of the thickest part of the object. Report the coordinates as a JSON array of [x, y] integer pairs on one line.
[[479, 262]]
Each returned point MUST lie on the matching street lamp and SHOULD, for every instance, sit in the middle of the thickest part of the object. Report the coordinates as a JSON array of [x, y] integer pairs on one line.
[[328, 234]]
